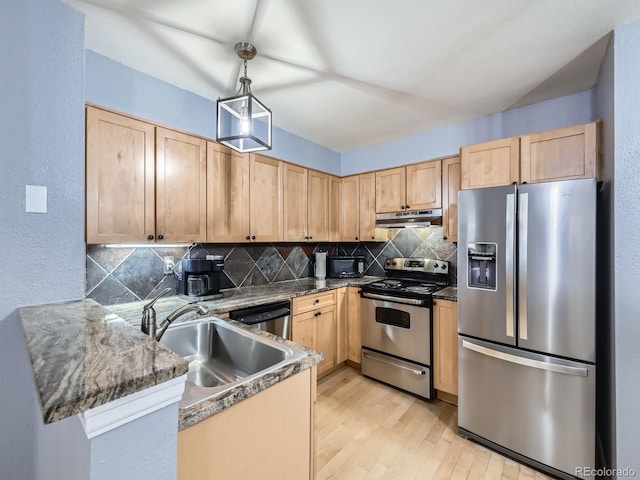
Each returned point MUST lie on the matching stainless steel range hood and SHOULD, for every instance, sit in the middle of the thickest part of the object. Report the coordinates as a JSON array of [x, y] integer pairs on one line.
[[409, 218]]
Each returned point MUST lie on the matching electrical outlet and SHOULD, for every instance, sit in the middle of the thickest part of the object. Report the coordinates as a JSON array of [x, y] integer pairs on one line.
[[168, 265]]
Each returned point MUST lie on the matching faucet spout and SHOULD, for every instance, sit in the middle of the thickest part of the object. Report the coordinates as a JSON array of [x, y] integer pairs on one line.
[[173, 316]]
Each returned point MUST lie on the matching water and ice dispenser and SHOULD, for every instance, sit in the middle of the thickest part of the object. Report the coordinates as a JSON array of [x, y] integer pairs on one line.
[[482, 265]]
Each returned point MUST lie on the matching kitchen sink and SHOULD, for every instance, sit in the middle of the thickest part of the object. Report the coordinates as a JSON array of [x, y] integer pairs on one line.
[[222, 356]]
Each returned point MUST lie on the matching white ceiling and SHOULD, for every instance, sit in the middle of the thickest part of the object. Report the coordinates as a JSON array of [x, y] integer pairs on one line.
[[348, 74]]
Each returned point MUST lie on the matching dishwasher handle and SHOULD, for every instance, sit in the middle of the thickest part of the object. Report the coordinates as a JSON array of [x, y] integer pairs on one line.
[[256, 318]]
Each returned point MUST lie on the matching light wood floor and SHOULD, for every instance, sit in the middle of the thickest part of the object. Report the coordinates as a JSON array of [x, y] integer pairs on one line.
[[367, 430]]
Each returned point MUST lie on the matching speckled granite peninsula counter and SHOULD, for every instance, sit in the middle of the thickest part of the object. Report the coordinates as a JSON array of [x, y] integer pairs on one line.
[[83, 356], [447, 293]]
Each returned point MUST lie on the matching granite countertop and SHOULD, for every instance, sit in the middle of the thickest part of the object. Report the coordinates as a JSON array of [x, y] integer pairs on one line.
[[447, 293], [83, 356], [236, 298]]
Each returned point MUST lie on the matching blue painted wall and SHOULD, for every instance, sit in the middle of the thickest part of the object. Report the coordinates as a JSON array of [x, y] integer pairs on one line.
[[626, 199], [41, 143], [441, 142], [114, 85]]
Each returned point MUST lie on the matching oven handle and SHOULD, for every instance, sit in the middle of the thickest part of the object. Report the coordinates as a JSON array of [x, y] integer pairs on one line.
[[415, 372], [389, 298]]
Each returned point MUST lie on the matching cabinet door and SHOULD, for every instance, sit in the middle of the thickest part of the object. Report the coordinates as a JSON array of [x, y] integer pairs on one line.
[[341, 325], [490, 164], [424, 185], [350, 214], [266, 199], [318, 206], [445, 333], [120, 191], [353, 324], [390, 190], [335, 207], [450, 187], [181, 187], [227, 194], [562, 154], [367, 207], [326, 338], [303, 329], [295, 203]]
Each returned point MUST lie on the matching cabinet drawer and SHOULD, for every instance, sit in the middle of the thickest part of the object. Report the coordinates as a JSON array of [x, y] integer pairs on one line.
[[312, 302]]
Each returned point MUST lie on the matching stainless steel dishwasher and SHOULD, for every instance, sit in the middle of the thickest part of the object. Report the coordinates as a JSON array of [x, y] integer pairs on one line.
[[271, 317]]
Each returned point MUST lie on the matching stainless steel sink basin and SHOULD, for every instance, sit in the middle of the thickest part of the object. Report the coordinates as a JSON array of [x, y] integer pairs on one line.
[[222, 356]]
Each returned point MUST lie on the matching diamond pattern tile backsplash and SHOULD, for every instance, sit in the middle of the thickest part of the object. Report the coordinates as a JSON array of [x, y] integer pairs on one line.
[[120, 275]]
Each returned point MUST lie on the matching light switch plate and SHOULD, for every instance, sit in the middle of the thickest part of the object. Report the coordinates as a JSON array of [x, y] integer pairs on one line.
[[35, 199]]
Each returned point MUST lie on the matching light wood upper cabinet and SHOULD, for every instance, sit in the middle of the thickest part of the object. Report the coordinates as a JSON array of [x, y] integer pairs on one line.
[[354, 341], [181, 187], [266, 198], [295, 203], [390, 190], [227, 194], [445, 343], [561, 154], [350, 213], [335, 207], [413, 187], [490, 164], [424, 185], [136, 195], [317, 206], [367, 207], [450, 187], [120, 179]]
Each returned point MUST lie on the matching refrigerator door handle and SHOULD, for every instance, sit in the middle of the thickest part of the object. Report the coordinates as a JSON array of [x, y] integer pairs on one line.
[[509, 261], [527, 362], [523, 267]]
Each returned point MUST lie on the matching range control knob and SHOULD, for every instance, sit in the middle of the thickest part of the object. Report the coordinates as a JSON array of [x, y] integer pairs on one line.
[[444, 267], [435, 265], [394, 263]]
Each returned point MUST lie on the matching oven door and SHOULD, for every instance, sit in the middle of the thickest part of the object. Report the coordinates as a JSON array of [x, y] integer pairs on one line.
[[397, 329]]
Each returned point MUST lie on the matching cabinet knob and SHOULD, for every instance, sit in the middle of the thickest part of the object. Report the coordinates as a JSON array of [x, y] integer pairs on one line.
[[444, 238], [317, 314], [253, 237], [407, 206], [435, 303], [247, 237], [356, 238], [317, 300], [402, 207], [160, 237], [373, 237], [150, 237], [310, 238]]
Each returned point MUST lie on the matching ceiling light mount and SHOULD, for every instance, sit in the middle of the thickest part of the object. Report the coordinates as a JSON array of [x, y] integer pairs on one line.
[[244, 123]]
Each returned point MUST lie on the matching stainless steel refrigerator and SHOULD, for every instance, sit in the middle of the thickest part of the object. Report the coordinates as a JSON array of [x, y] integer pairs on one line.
[[527, 322]]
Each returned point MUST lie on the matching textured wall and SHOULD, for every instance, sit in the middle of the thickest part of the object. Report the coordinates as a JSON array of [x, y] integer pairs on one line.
[[41, 143], [121, 88], [626, 196], [606, 419], [441, 142]]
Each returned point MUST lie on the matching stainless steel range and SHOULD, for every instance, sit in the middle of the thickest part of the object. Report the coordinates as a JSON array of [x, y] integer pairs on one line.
[[397, 322]]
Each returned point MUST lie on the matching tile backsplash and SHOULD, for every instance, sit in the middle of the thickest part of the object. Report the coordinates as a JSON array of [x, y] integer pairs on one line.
[[120, 275]]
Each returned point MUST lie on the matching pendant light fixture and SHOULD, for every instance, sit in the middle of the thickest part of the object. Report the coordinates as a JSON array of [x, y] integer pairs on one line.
[[244, 123]]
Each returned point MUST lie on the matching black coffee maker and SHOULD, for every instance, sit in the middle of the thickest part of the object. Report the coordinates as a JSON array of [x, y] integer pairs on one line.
[[199, 278]]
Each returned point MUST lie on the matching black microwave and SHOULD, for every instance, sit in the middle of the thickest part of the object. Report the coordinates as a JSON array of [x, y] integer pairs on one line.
[[346, 267]]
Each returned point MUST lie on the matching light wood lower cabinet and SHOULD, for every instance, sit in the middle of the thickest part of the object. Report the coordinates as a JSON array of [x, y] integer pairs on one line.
[[314, 325], [342, 320], [445, 346], [354, 341], [268, 436]]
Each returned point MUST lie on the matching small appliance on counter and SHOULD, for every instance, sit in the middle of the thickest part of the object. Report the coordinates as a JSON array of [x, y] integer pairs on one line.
[[199, 279], [346, 267]]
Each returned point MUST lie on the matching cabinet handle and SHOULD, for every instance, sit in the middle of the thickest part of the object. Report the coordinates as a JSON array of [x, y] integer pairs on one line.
[[160, 237], [247, 237], [150, 237]]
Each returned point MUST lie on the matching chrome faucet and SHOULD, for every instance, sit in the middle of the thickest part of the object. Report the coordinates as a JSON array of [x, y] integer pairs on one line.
[[155, 331]]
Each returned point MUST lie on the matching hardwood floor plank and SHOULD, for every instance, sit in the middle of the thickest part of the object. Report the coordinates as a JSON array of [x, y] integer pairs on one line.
[[366, 430]]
